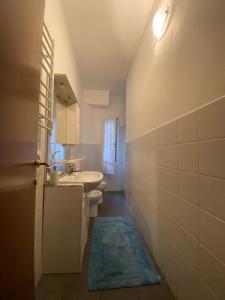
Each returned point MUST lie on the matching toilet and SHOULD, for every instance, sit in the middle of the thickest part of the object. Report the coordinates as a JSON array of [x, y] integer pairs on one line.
[[93, 198], [101, 187]]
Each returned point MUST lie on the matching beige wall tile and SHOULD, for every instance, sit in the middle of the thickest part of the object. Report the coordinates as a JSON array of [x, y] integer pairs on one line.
[[187, 130], [212, 158], [171, 230], [168, 156], [168, 202], [212, 271], [153, 156], [204, 292], [187, 246], [212, 234], [187, 216], [211, 120], [168, 179], [172, 258], [168, 134], [212, 195], [188, 157], [188, 187], [187, 282]]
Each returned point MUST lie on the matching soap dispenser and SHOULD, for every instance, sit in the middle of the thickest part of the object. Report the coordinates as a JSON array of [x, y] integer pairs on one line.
[[54, 177]]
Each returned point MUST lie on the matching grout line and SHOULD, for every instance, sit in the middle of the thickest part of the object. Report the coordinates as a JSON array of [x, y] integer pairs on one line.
[[184, 229], [174, 220], [176, 119], [207, 287], [211, 215], [211, 176], [212, 254], [181, 143]]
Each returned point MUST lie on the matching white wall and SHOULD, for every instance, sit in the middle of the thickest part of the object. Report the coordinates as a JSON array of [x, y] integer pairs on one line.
[[65, 62], [93, 116], [182, 71], [96, 97]]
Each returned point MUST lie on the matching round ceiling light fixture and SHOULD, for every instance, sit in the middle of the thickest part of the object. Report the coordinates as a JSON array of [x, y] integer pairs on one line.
[[160, 21]]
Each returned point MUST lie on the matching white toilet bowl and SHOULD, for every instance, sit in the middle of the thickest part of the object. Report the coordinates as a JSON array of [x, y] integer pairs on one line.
[[93, 198], [101, 187]]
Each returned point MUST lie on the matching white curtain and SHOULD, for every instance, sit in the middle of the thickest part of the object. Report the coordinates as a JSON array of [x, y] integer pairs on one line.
[[53, 147], [109, 146]]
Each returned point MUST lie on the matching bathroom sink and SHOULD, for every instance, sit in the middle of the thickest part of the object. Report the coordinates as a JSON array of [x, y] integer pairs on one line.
[[90, 179]]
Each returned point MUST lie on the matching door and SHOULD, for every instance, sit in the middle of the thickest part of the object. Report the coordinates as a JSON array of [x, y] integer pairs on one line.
[[20, 56]]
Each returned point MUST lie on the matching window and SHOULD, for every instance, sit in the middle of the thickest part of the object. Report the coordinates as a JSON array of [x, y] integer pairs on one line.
[[110, 141], [53, 147]]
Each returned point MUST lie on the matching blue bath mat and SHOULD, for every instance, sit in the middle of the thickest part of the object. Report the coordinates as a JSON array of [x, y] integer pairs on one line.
[[118, 256]]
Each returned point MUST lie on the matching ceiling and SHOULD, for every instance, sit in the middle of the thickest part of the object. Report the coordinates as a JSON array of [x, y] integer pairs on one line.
[[105, 35]]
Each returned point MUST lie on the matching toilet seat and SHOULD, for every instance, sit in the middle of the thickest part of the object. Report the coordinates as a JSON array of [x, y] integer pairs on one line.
[[94, 194]]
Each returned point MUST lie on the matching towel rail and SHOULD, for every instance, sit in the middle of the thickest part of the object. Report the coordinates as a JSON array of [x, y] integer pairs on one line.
[[46, 81]]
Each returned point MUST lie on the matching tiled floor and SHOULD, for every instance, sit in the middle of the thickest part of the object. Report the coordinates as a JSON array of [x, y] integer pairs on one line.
[[74, 286]]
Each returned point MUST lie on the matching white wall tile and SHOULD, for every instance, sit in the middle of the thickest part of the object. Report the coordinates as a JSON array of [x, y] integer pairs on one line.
[[187, 130], [211, 121], [188, 157], [212, 158], [168, 134], [187, 246], [212, 234], [204, 292], [168, 156], [212, 272], [169, 179], [188, 187], [185, 223], [187, 281], [212, 195], [187, 216]]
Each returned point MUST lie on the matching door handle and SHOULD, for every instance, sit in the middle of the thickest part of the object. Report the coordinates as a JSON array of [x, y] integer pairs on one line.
[[39, 163]]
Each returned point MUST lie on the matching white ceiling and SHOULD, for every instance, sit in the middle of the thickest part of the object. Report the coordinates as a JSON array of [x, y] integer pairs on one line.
[[105, 36]]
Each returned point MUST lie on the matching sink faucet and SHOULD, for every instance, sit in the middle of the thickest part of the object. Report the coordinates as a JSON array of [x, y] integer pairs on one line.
[[52, 156], [70, 168]]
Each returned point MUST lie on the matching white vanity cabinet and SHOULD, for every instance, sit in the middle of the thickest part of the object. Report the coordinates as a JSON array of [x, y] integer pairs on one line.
[[67, 123], [65, 229]]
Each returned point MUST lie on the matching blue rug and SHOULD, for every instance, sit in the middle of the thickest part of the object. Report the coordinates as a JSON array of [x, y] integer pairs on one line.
[[118, 256]]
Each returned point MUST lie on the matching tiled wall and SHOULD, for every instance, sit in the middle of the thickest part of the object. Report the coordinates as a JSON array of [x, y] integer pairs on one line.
[[92, 153], [176, 191]]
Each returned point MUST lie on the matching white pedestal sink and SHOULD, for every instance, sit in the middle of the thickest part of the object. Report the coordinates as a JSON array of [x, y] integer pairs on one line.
[[90, 179]]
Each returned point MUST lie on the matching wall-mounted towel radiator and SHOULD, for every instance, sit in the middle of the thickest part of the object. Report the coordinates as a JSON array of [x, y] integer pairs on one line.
[[46, 81]]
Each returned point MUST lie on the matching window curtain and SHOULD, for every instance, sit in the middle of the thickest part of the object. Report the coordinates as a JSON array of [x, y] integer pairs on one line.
[[109, 146], [53, 147]]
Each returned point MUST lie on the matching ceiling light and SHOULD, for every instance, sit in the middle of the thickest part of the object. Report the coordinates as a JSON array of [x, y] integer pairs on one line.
[[160, 21]]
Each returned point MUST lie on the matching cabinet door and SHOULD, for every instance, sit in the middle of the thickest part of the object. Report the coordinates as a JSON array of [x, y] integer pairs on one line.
[[67, 123], [71, 124], [61, 123], [77, 123], [85, 223]]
